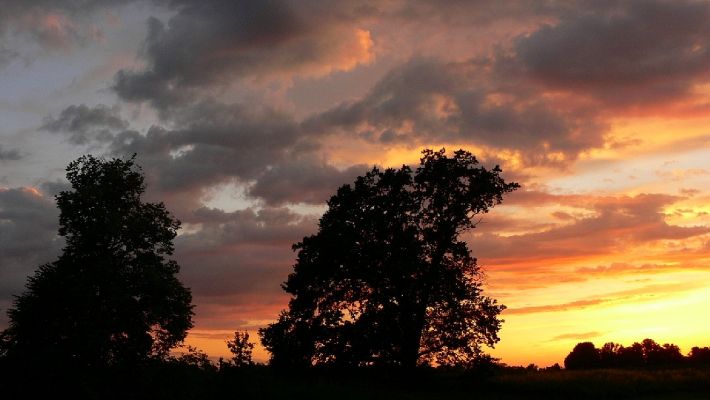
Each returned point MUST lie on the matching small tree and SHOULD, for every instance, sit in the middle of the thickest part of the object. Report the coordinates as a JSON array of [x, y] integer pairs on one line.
[[112, 297], [387, 279], [241, 349]]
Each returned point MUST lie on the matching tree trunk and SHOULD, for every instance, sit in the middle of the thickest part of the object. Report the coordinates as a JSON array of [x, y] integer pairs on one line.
[[411, 340]]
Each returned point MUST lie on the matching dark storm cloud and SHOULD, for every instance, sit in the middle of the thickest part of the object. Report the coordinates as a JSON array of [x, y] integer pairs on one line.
[[9, 154], [83, 124], [213, 43], [623, 53], [428, 100]]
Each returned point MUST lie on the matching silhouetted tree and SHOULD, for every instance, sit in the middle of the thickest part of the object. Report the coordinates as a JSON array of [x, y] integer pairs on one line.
[[554, 367], [112, 297], [241, 349], [631, 356], [387, 280], [699, 356], [609, 355], [648, 353], [584, 356], [656, 355]]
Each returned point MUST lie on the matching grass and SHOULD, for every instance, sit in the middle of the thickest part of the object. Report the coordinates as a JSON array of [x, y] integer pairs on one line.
[[259, 382], [677, 384]]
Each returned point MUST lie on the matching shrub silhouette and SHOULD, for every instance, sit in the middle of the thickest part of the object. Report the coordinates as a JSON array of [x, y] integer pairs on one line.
[[112, 297], [387, 280]]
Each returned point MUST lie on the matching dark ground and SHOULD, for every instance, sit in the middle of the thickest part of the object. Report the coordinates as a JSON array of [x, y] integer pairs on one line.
[[189, 382]]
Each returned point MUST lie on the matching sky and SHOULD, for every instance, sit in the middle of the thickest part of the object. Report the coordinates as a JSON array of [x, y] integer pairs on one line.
[[247, 116]]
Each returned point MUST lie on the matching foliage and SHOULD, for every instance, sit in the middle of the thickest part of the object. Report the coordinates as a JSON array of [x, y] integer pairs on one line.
[[583, 356], [699, 356], [241, 349], [387, 279], [648, 353], [193, 357], [112, 296]]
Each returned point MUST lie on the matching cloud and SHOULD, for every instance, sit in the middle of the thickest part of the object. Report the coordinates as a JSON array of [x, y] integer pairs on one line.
[[240, 257], [577, 336], [213, 143], [614, 269], [9, 154], [427, 100], [617, 224], [639, 294], [83, 124], [265, 227], [54, 24], [302, 181], [624, 54], [7, 56], [211, 44]]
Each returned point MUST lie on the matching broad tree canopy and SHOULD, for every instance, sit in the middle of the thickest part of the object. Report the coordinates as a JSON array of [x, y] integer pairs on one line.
[[112, 297], [387, 279]]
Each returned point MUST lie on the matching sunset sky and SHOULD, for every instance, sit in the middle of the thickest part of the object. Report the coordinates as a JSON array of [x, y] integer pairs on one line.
[[246, 116]]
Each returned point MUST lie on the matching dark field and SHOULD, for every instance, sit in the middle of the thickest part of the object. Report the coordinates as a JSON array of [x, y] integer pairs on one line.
[[188, 382], [597, 384]]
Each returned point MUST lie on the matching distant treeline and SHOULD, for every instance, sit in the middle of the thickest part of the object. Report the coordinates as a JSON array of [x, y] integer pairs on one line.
[[647, 354]]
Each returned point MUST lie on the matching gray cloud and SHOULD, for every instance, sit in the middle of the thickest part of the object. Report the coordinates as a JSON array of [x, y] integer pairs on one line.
[[302, 181], [7, 56], [83, 124], [249, 251], [623, 53], [618, 222], [212, 43], [428, 100], [217, 143], [214, 143], [54, 24], [9, 154]]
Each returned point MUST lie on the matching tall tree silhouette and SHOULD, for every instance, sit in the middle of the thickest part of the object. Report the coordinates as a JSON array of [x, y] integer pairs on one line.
[[112, 297], [387, 280]]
